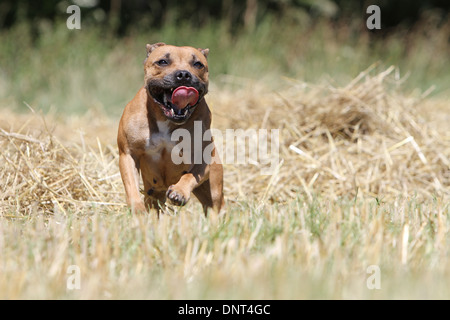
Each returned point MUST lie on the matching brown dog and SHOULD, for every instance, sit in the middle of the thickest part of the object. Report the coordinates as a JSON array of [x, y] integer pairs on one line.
[[175, 83]]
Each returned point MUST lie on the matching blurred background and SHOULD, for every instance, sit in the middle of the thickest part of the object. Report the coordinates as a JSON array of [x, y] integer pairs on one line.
[[45, 65]]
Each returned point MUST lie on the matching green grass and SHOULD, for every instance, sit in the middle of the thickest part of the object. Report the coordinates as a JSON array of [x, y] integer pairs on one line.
[[286, 250], [76, 70]]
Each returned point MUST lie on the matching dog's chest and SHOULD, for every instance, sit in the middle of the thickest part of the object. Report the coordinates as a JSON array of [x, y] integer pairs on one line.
[[160, 141]]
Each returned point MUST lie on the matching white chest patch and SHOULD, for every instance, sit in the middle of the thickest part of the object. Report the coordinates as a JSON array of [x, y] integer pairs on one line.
[[159, 140]]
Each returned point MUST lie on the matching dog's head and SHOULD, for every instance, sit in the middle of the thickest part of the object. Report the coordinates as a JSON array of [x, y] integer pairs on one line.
[[176, 78]]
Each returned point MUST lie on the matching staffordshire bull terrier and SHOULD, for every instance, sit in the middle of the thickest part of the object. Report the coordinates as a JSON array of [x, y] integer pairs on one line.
[[175, 84]]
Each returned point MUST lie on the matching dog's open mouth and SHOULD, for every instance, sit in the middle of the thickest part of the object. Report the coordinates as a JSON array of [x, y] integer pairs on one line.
[[177, 103]]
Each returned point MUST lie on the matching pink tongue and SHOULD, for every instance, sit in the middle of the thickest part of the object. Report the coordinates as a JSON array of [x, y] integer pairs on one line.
[[184, 96]]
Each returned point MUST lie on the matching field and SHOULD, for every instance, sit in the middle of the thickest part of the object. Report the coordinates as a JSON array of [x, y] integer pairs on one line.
[[357, 208]]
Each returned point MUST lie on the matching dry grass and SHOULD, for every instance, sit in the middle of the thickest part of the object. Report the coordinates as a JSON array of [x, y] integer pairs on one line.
[[364, 179], [363, 140]]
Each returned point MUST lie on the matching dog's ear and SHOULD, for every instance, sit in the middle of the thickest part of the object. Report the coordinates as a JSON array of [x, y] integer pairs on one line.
[[204, 51], [151, 47]]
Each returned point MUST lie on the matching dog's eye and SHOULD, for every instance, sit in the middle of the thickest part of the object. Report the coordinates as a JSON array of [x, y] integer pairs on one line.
[[162, 62], [198, 65]]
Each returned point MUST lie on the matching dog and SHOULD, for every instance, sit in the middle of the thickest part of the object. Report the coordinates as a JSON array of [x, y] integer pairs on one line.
[[173, 97]]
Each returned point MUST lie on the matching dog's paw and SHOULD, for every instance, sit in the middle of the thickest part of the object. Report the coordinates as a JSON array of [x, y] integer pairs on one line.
[[177, 196]]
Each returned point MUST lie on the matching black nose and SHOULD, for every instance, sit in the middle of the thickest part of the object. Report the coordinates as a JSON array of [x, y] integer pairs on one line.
[[183, 75]]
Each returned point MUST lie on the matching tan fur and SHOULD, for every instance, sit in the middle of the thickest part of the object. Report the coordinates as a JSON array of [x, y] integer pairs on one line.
[[145, 146]]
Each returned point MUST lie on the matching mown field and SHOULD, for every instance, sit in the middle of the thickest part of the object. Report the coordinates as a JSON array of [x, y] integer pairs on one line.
[[363, 178]]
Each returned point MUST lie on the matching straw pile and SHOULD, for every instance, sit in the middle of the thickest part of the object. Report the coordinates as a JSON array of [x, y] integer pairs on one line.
[[362, 140], [365, 139], [52, 164]]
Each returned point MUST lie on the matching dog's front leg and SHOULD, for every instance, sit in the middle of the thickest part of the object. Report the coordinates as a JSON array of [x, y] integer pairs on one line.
[[129, 170], [180, 193]]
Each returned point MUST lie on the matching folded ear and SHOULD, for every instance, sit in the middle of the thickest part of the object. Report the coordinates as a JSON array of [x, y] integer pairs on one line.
[[204, 51], [151, 47]]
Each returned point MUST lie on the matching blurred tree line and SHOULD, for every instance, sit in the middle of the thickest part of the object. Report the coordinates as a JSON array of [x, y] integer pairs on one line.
[[121, 15]]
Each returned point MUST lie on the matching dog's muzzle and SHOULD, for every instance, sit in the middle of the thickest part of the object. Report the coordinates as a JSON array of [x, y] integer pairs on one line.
[[177, 94]]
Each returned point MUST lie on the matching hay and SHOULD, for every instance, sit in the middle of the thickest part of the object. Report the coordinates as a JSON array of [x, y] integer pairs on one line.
[[56, 170], [365, 139], [362, 140]]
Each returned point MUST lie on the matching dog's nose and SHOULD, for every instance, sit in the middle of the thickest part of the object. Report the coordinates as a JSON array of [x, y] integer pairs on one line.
[[183, 75]]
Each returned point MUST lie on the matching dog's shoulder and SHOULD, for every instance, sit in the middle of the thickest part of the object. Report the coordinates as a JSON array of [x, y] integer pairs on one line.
[[133, 125]]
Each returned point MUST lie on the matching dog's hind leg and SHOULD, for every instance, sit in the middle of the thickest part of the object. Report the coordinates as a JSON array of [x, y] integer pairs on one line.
[[210, 192]]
